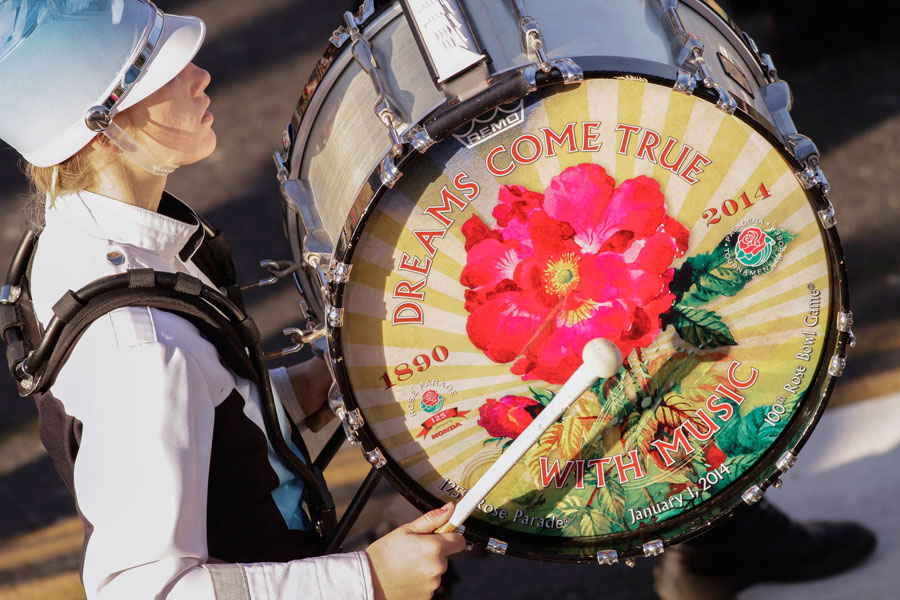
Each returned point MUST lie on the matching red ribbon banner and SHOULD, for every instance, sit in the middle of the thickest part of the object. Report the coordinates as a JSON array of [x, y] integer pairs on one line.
[[450, 413]]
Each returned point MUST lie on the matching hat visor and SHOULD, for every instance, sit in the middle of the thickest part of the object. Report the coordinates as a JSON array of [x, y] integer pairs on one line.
[[179, 42]]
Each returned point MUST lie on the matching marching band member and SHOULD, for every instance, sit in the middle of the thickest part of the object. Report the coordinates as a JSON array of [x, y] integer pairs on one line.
[[162, 446]]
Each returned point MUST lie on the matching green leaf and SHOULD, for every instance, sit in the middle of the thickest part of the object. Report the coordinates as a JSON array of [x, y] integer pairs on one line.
[[701, 328], [750, 435], [707, 276], [541, 395], [492, 440]]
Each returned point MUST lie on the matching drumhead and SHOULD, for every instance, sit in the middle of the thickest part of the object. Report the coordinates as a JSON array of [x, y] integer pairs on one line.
[[616, 208]]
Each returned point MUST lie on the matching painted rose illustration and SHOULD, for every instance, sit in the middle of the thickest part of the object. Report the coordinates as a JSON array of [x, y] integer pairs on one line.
[[753, 247], [585, 259], [508, 416]]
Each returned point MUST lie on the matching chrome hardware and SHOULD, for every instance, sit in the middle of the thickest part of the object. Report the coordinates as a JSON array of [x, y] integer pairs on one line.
[[653, 548], [9, 294], [384, 105], [461, 530], [533, 39], [98, 118], [286, 138], [753, 495], [363, 14], [25, 379], [687, 49], [765, 61], [335, 317], [299, 199], [607, 557], [786, 461], [845, 321], [851, 339], [533, 45], [351, 421], [778, 483], [115, 258], [836, 368], [442, 31], [630, 562], [271, 266], [827, 216], [299, 338], [419, 139], [376, 458], [684, 82], [340, 272], [496, 546], [281, 172], [778, 99]]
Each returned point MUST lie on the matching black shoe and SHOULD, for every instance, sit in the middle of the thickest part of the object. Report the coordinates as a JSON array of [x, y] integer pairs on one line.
[[759, 544]]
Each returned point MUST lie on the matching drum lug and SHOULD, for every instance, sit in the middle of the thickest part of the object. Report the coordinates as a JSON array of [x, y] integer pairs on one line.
[[388, 172], [335, 317], [363, 14], [753, 495], [419, 139], [845, 321], [376, 458], [607, 557], [688, 51], [786, 461], [385, 106], [653, 548], [838, 363], [533, 45], [496, 546], [340, 272]]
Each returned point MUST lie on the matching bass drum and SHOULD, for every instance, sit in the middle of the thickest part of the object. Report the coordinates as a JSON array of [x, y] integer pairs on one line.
[[615, 207]]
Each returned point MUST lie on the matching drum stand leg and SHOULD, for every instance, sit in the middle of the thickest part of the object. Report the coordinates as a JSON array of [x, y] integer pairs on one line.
[[365, 491], [331, 448]]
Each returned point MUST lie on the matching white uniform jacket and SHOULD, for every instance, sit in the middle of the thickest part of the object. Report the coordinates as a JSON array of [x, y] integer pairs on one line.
[[163, 447]]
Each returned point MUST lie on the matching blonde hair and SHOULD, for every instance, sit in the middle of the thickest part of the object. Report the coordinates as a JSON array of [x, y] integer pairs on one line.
[[74, 174]]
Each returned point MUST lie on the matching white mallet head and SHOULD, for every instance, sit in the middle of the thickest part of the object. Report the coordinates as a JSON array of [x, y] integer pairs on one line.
[[602, 357]]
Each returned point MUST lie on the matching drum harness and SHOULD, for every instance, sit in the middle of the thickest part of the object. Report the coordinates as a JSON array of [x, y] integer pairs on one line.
[[35, 356]]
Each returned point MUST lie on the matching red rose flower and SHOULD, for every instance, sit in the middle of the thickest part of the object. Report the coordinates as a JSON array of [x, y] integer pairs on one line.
[[752, 240], [508, 416], [582, 260]]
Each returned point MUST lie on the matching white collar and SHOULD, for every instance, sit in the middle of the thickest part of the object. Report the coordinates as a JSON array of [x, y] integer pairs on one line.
[[106, 218]]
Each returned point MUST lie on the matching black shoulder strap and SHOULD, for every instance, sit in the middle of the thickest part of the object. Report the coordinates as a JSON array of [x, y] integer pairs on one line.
[[35, 358]]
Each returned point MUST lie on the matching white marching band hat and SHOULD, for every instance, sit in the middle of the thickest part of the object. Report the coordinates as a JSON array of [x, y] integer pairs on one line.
[[68, 66]]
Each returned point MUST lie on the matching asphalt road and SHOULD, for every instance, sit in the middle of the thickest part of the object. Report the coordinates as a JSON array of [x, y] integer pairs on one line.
[[846, 97]]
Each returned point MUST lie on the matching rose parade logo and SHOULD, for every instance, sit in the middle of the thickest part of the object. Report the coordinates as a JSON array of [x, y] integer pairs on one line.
[[432, 401], [753, 251], [753, 247]]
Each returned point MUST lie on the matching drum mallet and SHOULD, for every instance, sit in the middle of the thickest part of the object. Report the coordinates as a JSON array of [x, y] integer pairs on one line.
[[602, 359]]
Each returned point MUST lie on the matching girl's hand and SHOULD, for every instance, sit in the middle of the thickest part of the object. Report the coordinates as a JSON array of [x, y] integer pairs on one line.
[[408, 562]]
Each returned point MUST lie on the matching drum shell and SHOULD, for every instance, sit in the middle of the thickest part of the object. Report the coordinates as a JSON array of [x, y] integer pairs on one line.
[[339, 139]]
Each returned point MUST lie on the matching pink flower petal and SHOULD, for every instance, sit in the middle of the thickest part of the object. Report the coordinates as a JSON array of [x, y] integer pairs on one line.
[[579, 196]]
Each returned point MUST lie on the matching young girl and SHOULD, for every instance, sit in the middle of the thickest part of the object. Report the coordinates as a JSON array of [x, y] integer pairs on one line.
[[162, 445]]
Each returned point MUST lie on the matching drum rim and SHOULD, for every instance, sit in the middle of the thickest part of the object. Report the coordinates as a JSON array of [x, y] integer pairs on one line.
[[725, 502]]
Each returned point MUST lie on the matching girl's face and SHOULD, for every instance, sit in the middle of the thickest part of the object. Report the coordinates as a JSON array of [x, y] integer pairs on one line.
[[173, 123]]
